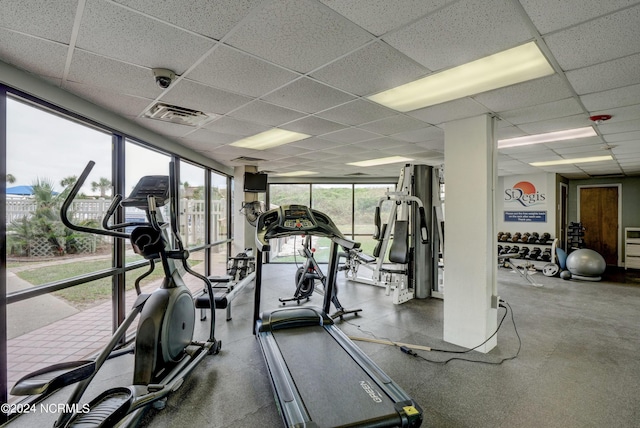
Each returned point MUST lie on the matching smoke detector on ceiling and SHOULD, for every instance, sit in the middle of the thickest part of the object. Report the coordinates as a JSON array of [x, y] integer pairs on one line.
[[600, 118]]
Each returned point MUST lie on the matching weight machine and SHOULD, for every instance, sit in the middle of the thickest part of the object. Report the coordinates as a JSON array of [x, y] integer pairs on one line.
[[402, 235]]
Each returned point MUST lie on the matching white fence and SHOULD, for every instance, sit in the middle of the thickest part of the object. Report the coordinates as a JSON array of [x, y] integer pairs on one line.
[[192, 217]]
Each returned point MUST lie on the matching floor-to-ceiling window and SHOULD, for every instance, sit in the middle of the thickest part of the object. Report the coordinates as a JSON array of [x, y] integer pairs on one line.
[[63, 286]]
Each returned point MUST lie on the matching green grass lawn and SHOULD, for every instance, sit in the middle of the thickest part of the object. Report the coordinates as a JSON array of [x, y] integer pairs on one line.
[[94, 292]]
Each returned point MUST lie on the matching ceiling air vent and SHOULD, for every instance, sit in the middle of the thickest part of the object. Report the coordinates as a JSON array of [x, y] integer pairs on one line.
[[176, 114]]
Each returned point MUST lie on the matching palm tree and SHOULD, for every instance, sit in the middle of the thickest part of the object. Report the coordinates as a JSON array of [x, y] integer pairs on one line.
[[10, 178], [69, 181], [103, 185]]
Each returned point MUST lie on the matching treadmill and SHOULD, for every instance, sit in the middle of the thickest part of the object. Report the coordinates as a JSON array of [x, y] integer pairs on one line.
[[320, 377]]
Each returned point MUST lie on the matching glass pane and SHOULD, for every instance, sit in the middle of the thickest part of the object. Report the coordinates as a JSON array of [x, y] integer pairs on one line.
[[45, 155], [288, 194], [366, 198], [219, 214], [141, 161], [335, 200], [191, 218], [218, 260]]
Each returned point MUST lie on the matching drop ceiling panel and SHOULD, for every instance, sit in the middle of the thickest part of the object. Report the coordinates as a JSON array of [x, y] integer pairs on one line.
[[307, 95], [559, 124], [46, 58], [446, 112], [379, 143], [357, 112], [234, 71], [566, 107], [312, 125], [625, 96], [107, 73], [298, 34], [394, 124], [623, 136], [210, 18], [461, 32], [538, 91], [596, 41], [316, 144], [110, 30], [608, 75], [125, 105], [385, 67], [381, 16], [350, 135], [166, 128], [552, 15], [229, 125], [51, 20], [266, 113], [421, 135]]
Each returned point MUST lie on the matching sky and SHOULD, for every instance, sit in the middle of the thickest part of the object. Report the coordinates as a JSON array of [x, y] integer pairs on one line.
[[41, 145]]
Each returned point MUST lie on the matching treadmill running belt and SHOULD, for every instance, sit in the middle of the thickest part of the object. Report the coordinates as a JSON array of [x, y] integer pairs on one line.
[[335, 389]]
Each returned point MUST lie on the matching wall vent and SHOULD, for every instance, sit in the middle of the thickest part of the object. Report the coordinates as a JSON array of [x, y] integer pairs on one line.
[[176, 114]]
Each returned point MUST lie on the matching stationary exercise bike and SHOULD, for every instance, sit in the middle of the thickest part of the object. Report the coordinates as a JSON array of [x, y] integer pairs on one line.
[[164, 349], [305, 279]]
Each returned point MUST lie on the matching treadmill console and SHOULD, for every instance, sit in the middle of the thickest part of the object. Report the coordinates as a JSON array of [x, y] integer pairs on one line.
[[290, 220], [297, 217]]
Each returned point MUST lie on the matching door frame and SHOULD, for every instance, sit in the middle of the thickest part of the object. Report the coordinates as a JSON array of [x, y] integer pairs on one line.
[[619, 186]]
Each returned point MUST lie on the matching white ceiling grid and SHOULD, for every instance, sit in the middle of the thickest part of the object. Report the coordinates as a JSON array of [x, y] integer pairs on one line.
[[309, 65]]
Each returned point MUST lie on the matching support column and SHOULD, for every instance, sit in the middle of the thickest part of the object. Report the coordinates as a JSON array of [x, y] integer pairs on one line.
[[470, 312], [243, 232]]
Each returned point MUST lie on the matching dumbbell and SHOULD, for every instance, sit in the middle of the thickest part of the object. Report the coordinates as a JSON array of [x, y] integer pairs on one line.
[[525, 237], [516, 237], [533, 238]]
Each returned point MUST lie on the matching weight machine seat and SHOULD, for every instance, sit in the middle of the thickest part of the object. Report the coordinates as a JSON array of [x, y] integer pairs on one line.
[[365, 258], [399, 252]]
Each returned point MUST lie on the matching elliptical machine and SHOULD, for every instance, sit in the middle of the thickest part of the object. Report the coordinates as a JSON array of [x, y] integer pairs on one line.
[[164, 349]]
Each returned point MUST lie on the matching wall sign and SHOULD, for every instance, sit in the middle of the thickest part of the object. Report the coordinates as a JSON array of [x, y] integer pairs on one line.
[[526, 216]]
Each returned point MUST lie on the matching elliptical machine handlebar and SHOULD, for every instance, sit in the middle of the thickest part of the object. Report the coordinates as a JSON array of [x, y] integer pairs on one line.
[[72, 195]]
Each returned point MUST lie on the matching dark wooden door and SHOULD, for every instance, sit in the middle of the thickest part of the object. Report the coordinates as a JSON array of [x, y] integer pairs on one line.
[[599, 216]]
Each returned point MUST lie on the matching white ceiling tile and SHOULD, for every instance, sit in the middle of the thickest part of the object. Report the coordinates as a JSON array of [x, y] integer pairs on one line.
[[626, 148], [593, 42], [314, 143], [45, 58], [394, 125], [266, 114], [51, 20], [380, 16], [350, 135], [566, 107], [619, 97], [107, 73], [234, 71], [122, 104], [608, 75], [229, 125], [378, 144], [311, 125], [203, 98], [110, 30], [580, 149], [539, 91], [166, 128], [552, 15], [620, 114], [357, 112], [623, 136], [298, 34], [559, 124], [452, 110], [308, 95], [462, 32], [420, 135], [384, 67], [210, 18]]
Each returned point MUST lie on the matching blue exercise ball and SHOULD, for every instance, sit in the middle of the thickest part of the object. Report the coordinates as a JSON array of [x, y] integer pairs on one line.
[[586, 263]]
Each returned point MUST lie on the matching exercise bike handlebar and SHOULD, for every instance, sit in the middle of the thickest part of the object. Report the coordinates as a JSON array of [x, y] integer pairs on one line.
[[69, 200]]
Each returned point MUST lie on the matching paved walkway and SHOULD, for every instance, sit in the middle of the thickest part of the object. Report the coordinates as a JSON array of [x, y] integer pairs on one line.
[[46, 330]]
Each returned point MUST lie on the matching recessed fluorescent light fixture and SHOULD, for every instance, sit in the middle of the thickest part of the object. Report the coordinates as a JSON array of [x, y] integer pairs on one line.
[[515, 65], [296, 173], [381, 161], [572, 161], [268, 139], [568, 134]]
